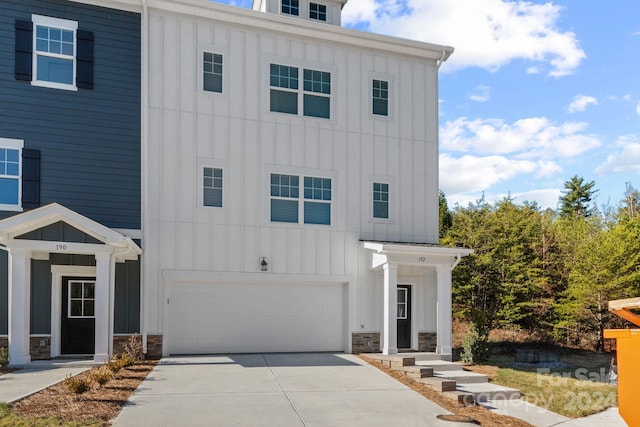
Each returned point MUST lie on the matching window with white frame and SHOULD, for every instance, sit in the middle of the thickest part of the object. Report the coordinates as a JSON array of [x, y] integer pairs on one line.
[[287, 205], [318, 11], [82, 298], [54, 52], [380, 97], [380, 200], [285, 91], [290, 7], [212, 72], [212, 187], [10, 174]]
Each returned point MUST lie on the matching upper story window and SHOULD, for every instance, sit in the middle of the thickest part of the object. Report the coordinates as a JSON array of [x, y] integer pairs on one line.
[[380, 200], [54, 52], [10, 174], [212, 187], [285, 91], [290, 7], [286, 203], [212, 72], [318, 11], [380, 97]]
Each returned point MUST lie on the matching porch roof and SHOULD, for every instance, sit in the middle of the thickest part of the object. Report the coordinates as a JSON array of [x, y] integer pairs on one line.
[[418, 254], [111, 240]]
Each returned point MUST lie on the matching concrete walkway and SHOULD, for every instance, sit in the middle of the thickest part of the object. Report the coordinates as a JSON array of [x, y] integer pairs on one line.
[[312, 390], [38, 375]]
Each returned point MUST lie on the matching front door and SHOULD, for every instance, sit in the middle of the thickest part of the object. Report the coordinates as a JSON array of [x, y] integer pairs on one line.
[[78, 323], [404, 316]]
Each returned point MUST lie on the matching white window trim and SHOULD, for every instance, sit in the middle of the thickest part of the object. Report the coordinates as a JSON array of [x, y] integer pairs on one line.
[[301, 173], [14, 144], [63, 24], [200, 68], [326, 13], [390, 100], [80, 299], [199, 182], [301, 66], [392, 192], [404, 302]]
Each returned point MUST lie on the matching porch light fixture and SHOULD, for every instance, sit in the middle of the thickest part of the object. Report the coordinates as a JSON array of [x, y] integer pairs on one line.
[[264, 265]]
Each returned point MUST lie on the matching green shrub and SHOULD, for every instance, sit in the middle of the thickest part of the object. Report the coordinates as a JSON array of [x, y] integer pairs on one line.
[[77, 385], [126, 360], [114, 365], [475, 346], [102, 375], [4, 357]]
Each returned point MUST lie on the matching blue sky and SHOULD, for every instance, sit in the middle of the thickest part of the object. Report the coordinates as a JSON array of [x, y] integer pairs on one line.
[[535, 92]]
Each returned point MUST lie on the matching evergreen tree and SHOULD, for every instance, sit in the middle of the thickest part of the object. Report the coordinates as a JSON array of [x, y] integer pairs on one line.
[[444, 214], [576, 198]]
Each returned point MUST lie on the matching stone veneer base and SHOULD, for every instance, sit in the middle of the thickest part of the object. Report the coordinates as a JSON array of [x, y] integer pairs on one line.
[[365, 342]]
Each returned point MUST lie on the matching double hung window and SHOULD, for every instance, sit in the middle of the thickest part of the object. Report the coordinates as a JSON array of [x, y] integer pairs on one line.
[[10, 174], [380, 97], [380, 200], [212, 187], [285, 91], [288, 204], [54, 53], [212, 72]]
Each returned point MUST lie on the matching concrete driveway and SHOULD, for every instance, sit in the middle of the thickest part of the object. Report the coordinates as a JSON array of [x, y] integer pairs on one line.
[[307, 389]]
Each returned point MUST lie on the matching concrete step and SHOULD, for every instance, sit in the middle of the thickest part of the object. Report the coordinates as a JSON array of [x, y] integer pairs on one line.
[[439, 384], [419, 356], [467, 399], [489, 391], [416, 372], [462, 377], [440, 365]]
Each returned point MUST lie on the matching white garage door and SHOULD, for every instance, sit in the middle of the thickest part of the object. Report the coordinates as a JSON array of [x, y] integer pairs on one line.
[[250, 318]]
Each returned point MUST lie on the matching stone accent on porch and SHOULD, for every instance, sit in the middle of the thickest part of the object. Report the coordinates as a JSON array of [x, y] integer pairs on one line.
[[154, 346], [365, 342], [427, 341], [40, 347]]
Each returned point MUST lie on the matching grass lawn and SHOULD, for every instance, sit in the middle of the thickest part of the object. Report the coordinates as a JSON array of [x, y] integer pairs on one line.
[[574, 390], [10, 419]]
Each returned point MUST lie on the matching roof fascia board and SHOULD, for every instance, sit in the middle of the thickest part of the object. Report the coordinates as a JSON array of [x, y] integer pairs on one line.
[[301, 28]]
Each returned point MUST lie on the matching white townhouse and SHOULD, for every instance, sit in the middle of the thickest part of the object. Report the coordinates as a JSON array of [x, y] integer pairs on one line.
[[290, 183]]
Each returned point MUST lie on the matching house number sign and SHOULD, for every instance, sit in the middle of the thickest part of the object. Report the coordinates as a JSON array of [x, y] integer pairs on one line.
[[422, 259], [61, 247]]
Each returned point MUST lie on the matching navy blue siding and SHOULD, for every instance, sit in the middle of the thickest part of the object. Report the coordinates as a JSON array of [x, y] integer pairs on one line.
[[127, 298], [40, 297], [89, 140]]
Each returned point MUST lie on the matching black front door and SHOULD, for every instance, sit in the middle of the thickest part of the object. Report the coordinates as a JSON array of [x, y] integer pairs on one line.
[[404, 316], [78, 323]]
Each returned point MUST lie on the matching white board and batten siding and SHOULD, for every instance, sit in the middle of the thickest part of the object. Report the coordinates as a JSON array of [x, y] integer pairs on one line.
[[235, 131]]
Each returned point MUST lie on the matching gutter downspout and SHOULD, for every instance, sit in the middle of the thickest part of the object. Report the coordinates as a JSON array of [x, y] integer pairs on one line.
[[440, 62]]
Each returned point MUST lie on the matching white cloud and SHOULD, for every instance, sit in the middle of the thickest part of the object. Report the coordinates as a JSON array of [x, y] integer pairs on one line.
[[472, 174], [529, 138], [581, 102], [485, 33], [625, 159], [638, 109], [481, 94]]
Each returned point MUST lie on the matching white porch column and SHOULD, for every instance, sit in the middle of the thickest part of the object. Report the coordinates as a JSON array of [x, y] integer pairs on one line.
[[19, 306], [103, 307], [390, 343], [444, 324]]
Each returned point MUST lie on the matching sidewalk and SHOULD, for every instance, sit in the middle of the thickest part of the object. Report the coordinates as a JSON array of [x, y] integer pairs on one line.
[[38, 375]]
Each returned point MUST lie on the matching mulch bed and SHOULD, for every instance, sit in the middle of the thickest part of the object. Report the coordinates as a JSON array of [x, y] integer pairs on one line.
[[102, 403], [481, 415]]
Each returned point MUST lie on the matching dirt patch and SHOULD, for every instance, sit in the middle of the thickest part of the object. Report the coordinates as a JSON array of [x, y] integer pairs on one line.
[[478, 413], [7, 370], [102, 403]]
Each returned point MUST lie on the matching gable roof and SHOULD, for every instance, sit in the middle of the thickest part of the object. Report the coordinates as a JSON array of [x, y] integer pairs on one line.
[[13, 227]]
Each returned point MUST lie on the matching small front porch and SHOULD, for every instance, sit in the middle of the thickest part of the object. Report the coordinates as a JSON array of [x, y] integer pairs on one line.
[[416, 295], [61, 283]]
